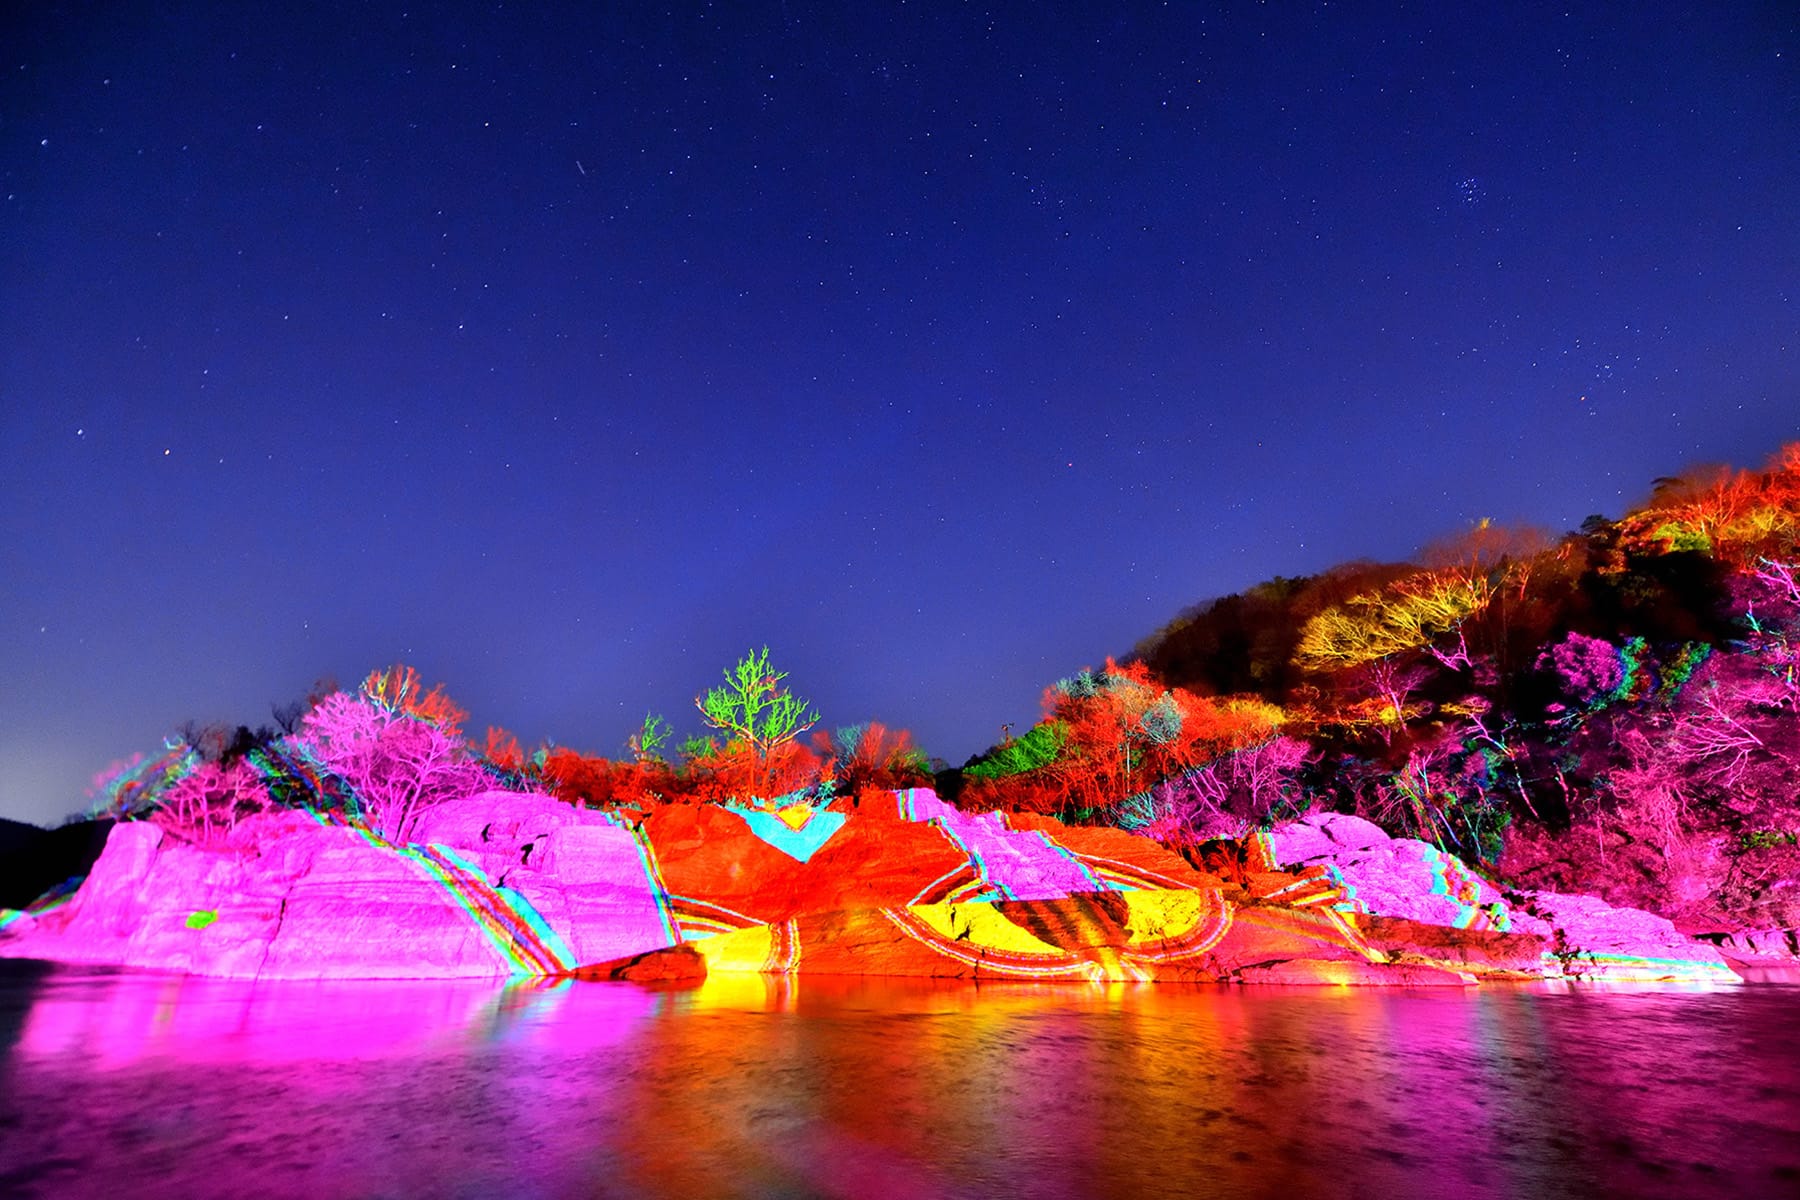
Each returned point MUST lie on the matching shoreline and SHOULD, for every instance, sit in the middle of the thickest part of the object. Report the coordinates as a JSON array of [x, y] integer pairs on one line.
[[521, 886]]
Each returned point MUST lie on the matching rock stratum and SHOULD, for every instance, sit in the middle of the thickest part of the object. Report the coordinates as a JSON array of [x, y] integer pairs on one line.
[[505, 884]]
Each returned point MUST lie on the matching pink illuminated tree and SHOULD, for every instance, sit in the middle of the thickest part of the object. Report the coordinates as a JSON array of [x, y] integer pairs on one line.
[[1587, 668], [1229, 795], [397, 765], [206, 805]]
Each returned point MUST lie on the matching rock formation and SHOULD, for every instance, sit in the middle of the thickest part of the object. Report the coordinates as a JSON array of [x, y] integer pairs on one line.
[[1400, 878], [509, 884]]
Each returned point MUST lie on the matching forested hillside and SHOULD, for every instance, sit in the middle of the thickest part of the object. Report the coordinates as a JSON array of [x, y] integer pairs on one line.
[[1611, 711]]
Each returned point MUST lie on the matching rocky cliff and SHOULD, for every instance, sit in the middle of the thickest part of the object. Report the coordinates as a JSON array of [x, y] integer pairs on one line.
[[508, 884]]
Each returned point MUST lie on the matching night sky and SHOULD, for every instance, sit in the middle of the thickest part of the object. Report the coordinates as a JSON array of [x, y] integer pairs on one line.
[[945, 348]]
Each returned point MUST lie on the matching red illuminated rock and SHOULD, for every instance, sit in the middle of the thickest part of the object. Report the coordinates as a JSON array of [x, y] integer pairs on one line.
[[1143, 936], [709, 854], [1486, 953]]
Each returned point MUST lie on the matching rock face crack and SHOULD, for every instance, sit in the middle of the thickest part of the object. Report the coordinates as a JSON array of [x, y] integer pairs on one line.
[[269, 946], [1265, 965]]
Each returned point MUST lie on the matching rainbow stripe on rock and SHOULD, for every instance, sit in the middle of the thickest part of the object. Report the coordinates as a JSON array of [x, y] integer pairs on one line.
[[515, 929], [57, 897]]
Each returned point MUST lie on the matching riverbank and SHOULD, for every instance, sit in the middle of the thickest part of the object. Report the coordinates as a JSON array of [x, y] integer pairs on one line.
[[506, 884]]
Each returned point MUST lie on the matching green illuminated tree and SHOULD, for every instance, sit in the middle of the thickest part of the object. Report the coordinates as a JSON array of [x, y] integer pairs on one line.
[[757, 715], [646, 745]]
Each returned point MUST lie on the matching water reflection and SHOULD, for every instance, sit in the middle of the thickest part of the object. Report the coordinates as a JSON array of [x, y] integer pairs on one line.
[[128, 1084]]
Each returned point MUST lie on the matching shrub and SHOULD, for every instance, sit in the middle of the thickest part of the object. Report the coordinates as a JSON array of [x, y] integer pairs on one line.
[[206, 805]]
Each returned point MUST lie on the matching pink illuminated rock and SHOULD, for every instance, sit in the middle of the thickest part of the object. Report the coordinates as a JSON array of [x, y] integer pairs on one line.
[[594, 884], [1596, 941], [1322, 836], [1117, 856], [1015, 864], [1759, 947], [1584, 937], [364, 912], [502, 820], [307, 900]]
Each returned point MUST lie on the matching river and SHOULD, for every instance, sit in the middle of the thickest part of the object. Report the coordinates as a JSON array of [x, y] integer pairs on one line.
[[119, 1085]]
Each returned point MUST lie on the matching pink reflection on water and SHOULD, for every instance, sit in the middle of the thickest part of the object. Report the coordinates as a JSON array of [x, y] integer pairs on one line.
[[133, 1085], [114, 1020]]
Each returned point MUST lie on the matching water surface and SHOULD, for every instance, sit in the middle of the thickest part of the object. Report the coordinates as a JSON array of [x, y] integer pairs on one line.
[[123, 1084]]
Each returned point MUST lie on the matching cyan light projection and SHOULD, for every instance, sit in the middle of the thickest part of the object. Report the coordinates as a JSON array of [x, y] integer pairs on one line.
[[797, 830]]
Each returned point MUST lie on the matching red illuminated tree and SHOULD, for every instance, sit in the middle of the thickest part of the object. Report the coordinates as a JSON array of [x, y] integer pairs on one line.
[[501, 750], [1124, 732], [399, 690], [871, 755]]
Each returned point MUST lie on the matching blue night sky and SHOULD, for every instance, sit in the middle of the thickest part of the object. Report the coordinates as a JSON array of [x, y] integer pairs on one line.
[[945, 348]]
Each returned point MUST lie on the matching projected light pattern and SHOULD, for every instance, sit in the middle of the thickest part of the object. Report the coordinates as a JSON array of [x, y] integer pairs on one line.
[[515, 929], [137, 783], [296, 782], [1117, 937], [921, 804], [1101, 938], [1452, 879], [658, 893], [57, 897], [1319, 885], [797, 830], [508, 917], [695, 918], [521, 886], [1011, 864], [1126, 877]]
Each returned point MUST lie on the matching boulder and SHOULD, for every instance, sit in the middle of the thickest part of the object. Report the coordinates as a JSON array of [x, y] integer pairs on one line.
[[1486, 953], [1757, 947], [1583, 937], [674, 964], [1594, 940], [1397, 877]]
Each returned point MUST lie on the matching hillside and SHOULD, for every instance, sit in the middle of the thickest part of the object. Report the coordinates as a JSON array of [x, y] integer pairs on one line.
[[1611, 712]]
